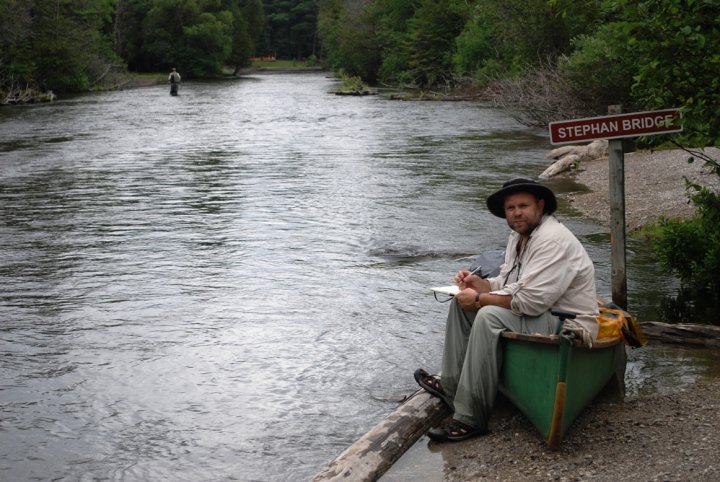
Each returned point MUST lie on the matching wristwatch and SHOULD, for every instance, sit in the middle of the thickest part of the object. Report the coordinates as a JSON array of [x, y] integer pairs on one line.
[[477, 301]]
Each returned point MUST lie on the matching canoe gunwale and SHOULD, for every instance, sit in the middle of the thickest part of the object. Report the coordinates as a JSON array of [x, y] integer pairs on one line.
[[555, 340]]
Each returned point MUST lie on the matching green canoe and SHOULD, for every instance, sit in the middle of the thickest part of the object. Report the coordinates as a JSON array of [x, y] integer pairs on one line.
[[551, 379]]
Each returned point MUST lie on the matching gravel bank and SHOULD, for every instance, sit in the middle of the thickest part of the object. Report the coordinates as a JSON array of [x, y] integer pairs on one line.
[[654, 186], [665, 438]]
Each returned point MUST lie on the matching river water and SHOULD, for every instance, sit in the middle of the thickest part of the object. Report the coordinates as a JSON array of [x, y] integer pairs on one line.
[[232, 284]]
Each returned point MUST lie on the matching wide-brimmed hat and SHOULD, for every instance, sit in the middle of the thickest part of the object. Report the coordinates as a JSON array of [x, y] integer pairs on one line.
[[496, 201]]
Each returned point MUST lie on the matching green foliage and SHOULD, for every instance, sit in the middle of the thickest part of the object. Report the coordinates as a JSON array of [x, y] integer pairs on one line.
[[691, 247], [254, 18], [392, 20], [58, 45], [291, 27], [431, 42], [347, 44], [474, 48], [197, 37], [601, 68], [206, 44], [531, 32], [16, 61], [351, 84], [673, 43], [242, 44], [129, 40], [674, 66]]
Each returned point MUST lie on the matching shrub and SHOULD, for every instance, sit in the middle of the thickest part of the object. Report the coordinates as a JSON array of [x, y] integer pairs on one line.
[[691, 247]]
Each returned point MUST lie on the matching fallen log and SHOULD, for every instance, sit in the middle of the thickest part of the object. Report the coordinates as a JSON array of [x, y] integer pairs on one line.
[[561, 165], [374, 453], [569, 157], [682, 333]]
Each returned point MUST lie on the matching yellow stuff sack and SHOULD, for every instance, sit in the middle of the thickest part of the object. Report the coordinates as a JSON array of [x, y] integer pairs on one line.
[[614, 321], [609, 324]]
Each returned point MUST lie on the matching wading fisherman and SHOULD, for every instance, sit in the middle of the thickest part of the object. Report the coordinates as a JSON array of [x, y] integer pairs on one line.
[[545, 268], [174, 79]]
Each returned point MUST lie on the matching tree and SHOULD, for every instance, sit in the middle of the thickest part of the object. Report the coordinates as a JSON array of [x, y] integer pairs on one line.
[[673, 43], [193, 35], [128, 36], [254, 17], [431, 40], [207, 43], [601, 69], [69, 44], [291, 27], [392, 19], [16, 63], [348, 39]]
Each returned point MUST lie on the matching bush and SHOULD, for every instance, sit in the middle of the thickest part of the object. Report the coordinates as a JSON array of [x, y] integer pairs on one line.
[[691, 247], [540, 95], [351, 84], [601, 68]]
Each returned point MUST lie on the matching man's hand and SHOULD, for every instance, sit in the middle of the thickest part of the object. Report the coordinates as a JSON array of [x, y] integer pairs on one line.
[[464, 280], [466, 299], [469, 299]]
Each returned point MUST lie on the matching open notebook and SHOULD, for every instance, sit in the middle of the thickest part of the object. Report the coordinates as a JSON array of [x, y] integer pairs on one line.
[[451, 290], [488, 265]]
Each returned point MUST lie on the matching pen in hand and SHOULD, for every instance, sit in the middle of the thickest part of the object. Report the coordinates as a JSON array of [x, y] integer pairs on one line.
[[475, 271]]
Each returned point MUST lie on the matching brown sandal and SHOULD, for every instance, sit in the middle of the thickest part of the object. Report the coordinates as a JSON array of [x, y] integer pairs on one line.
[[454, 431], [432, 385]]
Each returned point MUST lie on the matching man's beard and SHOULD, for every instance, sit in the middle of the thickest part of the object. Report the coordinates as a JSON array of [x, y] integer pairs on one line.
[[528, 227]]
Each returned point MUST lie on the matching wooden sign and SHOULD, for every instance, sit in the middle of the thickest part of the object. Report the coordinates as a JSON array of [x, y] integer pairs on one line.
[[615, 126]]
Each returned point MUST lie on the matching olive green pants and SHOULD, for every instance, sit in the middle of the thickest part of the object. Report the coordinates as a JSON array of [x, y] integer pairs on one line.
[[471, 356]]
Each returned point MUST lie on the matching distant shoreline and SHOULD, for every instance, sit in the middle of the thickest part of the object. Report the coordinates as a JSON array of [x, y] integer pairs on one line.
[[293, 70]]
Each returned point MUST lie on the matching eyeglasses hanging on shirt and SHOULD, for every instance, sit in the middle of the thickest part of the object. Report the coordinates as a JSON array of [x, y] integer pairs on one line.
[[517, 264]]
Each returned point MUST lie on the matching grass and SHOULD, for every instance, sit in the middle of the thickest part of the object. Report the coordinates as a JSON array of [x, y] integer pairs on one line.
[[283, 64]]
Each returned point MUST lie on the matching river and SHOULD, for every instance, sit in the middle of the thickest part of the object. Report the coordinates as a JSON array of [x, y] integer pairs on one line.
[[232, 284]]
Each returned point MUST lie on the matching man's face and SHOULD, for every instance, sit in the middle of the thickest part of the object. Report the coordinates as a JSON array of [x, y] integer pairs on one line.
[[523, 212]]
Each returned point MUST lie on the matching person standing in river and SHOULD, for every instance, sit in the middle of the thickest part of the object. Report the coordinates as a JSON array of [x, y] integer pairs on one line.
[[174, 79], [545, 268]]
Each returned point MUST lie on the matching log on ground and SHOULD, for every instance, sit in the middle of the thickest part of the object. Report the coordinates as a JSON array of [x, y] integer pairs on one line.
[[374, 453], [682, 334]]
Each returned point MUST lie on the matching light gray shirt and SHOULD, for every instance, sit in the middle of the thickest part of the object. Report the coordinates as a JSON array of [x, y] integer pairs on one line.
[[553, 271]]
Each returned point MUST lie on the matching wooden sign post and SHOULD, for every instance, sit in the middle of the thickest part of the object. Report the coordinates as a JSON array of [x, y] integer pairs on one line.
[[615, 127], [616, 178]]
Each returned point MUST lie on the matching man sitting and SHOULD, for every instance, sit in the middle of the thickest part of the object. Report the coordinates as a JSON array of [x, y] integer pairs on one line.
[[546, 268]]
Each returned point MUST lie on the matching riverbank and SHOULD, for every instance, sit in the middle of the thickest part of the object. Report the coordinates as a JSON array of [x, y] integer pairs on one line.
[[669, 437], [654, 186], [672, 437]]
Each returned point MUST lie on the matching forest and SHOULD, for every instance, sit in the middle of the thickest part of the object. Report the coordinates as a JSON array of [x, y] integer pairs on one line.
[[544, 59], [72, 45]]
